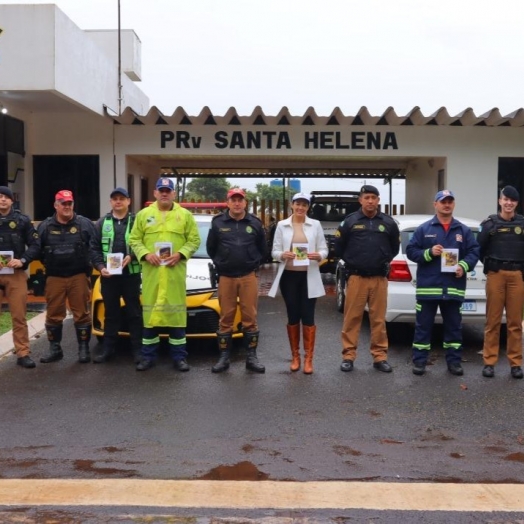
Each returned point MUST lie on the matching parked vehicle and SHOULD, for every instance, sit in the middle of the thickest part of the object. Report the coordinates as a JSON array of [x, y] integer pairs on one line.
[[331, 207], [203, 310], [402, 279]]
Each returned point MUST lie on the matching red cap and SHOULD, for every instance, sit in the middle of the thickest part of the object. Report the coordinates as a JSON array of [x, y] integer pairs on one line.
[[64, 196], [236, 191]]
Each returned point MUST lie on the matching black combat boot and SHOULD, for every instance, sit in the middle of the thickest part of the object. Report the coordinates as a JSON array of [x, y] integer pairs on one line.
[[107, 352], [224, 346], [83, 335], [250, 345], [54, 335]]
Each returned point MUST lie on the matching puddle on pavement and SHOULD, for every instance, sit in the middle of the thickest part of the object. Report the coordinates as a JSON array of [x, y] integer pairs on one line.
[[88, 466], [241, 471]]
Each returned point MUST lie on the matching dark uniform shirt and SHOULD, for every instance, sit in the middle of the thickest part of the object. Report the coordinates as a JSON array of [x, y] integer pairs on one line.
[[237, 247], [17, 232], [65, 247], [502, 243], [367, 245]]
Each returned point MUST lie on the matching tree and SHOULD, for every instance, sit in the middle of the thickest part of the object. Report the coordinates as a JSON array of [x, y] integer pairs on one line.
[[208, 189], [273, 193]]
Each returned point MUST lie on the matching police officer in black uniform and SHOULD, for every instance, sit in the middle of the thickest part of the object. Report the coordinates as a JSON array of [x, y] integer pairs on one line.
[[367, 241], [501, 242], [112, 236], [16, 232], [65, 238], [237, 245]]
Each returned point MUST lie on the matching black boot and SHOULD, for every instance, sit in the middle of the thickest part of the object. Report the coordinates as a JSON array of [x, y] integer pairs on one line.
[[54, 335], [250, 345], [83, 335], [224, 346], [107, 352]]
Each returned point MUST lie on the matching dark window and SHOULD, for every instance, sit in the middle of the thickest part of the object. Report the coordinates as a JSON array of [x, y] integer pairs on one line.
[[78, 173]]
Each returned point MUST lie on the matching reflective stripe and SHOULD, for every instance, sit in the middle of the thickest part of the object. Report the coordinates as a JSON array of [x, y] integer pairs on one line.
[[427, 255], [452, 345], [177, 341], [425, 347], [108, 237], [150, 341]]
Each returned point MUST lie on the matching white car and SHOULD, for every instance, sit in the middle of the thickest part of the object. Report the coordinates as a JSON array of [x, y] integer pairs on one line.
[[402, 279]]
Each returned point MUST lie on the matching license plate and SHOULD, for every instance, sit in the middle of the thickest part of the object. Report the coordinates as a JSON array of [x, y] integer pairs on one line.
[[469, 305]]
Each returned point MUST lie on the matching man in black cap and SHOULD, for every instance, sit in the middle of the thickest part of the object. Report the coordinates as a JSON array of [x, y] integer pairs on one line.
[[119, 274], [367, 241], [501, 242], [19, 245]]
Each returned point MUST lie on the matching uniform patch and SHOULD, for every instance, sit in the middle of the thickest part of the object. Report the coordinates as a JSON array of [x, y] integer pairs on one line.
[[249, 229], [150, 220], [381, 228], [359, 226], [337, 233], [12, 225], [518, 230], [458, 237], [73, 230], [224, 229]]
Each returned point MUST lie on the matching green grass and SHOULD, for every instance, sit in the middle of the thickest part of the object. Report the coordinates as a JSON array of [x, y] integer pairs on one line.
[[5, 320]]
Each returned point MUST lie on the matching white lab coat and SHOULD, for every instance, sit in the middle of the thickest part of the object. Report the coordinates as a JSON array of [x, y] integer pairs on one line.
[[317, 243]]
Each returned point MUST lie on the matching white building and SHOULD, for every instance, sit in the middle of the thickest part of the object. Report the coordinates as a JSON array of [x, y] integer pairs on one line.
[[74, 122]]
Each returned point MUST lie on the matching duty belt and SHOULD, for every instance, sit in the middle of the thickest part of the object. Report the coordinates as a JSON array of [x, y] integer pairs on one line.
[[363, 273], [506, 265]]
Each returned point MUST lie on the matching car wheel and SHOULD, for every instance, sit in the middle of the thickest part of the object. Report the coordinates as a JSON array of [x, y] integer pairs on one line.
[[341, 298]]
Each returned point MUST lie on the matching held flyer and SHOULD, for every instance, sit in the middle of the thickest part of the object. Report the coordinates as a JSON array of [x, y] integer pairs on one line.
[[164, 250], [5, 258], [300, 251]]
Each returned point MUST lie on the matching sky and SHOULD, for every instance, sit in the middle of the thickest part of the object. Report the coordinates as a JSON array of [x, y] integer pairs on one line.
[[321, 54]]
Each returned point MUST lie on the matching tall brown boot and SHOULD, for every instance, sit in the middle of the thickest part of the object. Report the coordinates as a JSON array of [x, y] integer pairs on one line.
[[293, 333], [308, 333]]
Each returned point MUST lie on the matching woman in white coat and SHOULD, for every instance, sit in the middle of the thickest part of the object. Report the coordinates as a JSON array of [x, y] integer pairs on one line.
[[299, 245]]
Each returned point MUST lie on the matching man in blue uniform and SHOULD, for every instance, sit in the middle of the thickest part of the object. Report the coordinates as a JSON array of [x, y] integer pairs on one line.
[[441, 283]]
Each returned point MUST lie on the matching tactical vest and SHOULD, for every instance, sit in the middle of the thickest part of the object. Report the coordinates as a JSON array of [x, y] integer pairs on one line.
[[11, 239], [65, 250], [506, 240], [108, 237]]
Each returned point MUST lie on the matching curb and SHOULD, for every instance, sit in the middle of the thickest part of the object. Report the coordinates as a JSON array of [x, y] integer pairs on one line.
[[35, 326]]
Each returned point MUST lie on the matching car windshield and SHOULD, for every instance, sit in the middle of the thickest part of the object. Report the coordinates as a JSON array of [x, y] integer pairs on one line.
[[203, 231]]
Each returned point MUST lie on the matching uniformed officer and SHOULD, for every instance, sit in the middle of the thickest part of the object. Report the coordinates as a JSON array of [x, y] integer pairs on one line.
[[111, 237], [20, 245], [444, 250], [237, 245], [367, 241], [501, 242], [65, 238]]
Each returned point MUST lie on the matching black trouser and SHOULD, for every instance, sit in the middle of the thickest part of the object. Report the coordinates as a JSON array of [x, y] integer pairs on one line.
[[127, 287], [300, 308]]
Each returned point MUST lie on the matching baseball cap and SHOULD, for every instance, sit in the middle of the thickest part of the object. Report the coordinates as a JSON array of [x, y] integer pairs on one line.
[[445, 193], [369, 189], [119, 191], [64, 195], [236, 191], [510, 192], [165, 182], [4, 190], [301, 196]]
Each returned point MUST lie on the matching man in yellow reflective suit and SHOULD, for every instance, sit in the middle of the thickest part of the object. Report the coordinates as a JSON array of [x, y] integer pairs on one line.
[[163, 238]]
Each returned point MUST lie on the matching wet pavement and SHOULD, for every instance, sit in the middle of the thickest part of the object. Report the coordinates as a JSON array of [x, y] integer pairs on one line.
[[67, 420]]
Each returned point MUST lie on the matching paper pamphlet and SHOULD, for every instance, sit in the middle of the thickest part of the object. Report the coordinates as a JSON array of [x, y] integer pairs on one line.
[[114, 263], [164, 250], [449, 260], [300, 250], [5, 258]]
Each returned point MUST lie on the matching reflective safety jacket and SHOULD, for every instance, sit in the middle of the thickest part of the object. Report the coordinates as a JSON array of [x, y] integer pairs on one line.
[[110, 238], [432, 282], [163, 287]]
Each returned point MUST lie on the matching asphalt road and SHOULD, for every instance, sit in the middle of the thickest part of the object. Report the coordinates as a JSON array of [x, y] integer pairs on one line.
[[68, 420]]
